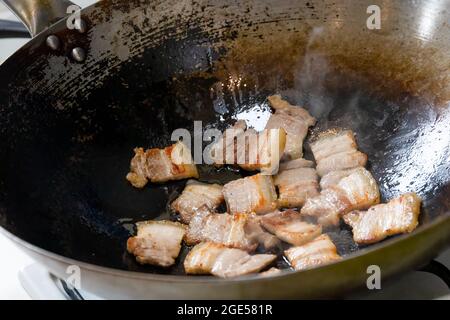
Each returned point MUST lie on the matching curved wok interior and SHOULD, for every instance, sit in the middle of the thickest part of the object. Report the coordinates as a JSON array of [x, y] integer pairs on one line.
[[68, 130]]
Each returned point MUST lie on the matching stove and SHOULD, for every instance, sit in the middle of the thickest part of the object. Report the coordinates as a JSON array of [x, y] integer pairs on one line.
[[22, 278], [39, 284]]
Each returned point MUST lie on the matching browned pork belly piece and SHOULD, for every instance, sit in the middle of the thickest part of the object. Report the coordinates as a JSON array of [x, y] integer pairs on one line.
[[157, 242], [318, 252], [332, 178], [256, 233], [221, 228], [201, 259], [294, 120], [399, 215], [224, 150], [251, 194], [221, 261], [333, 142], [295, 185], [341, 161], [196, 195], [249, 149], [261, 151], [161, 165], [289, 227], [271, 272], [358, 191], [337, 151]]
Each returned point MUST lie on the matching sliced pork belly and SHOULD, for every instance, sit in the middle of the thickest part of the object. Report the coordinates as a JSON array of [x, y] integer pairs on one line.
[[296, 185], [261, 151], [216, 259], [221, 228], [341, 161], [337, 151], [235, 262], [224, 151], [271, 272], [297, 163], [157, 242], [357, 191], [289, 227], [161, 165], [318, 252], [399, 215], [332, 143], [249, 149], [251, 194], [327, 207], [196, 195], [332, 178], [201, 259], [294, 120], [257, 234]]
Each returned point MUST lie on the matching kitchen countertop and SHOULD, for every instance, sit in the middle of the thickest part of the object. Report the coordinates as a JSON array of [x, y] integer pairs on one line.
[[14, 260]]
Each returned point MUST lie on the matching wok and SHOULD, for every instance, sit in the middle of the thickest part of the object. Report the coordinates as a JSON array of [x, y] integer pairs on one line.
[[140, 69]]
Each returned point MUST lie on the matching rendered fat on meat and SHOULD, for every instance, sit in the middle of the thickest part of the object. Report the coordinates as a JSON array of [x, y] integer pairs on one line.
[[318, 252], [399, 215], [221, 261], [224, 150], [196, 195], [271, 272], [358, 191], [157, 242], [337, 151], [332, 178], [331, 143], [289, 227], [297, 163], [341, 161], [261, 151], [222, 228], [257, 234], [296, 184], [254, 194], [202, 257], [249, 149], [294, 120], [161, 165]]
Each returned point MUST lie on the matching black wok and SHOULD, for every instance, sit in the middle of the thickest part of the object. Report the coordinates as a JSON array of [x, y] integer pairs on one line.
[[141, 69]]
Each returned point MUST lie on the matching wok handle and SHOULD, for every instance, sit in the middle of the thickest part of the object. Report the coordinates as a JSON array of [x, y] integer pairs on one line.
[[13, 29], [38, 15]]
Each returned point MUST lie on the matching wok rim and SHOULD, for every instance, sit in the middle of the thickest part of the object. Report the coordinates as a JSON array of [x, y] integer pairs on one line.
[[397, 240], [38, 41]]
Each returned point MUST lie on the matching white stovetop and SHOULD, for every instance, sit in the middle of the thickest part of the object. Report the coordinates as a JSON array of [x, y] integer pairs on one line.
[[14, 260], [423, 285]]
